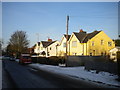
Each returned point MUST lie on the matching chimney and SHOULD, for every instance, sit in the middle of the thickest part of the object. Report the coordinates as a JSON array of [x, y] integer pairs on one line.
[[49, 40], [81, 30]]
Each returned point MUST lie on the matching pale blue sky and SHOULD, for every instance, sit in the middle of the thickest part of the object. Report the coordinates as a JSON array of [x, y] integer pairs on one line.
[[49, 18]]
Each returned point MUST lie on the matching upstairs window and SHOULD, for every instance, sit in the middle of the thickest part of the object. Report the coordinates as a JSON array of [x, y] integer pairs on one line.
[[109, 43], [38, 43], [50, 48], [93, 43], [102, 42], [64, 44], [74, 43], [41, 48]]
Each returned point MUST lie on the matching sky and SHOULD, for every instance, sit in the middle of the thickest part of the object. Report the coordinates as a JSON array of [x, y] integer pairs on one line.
[[48, 19]]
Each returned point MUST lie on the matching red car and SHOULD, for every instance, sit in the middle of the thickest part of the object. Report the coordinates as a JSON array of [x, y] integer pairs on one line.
[[25, 58]]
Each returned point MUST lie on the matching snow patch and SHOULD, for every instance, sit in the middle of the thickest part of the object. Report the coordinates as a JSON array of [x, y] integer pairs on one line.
[[81, 73]]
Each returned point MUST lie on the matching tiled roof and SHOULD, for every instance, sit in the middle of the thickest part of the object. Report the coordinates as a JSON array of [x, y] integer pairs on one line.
[[83, 37], [80, 35], [89, 36], [46, 43], [68, 36]]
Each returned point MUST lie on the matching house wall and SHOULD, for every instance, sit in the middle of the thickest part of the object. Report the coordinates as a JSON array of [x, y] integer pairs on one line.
[[113, 53], [36, 49], [97, 48], [75, 50], [61, 49], [41, 49], [52, 49]]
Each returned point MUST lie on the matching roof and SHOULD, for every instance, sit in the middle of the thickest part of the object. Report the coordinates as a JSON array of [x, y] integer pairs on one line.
[[47, 43], [89, 36], [80, 36], [68, 36], [83, 37]]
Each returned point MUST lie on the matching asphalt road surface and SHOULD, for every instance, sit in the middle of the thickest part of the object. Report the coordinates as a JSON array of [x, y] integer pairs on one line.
[[23, 76]]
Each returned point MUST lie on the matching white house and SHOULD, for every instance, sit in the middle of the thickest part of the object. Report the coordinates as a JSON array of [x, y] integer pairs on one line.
[[113, 53], [52, 49], [40, 47], [36, 49], [62, 46]]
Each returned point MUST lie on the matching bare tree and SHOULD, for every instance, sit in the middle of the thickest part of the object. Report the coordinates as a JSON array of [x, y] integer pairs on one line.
[[18, 43]]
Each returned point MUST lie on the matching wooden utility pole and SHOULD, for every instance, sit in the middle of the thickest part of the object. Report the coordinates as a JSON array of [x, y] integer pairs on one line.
[[67, 36]]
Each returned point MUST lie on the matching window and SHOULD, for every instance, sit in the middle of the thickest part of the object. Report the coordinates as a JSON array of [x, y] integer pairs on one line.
[[73, 53], [92, 43], [38, 43], [102, 42], [64, 44], [109, 43], [74, 43], [113, 54], [41, 48], [50, 48]]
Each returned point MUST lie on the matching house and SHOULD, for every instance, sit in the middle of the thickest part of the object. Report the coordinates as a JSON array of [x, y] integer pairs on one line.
[[36, 48], [95, 43], [62, 46], [52, 49], [40, 47], [113, 53]]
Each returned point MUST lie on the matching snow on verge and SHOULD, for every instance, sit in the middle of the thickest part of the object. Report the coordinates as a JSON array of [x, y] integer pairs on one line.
[[79, 72]]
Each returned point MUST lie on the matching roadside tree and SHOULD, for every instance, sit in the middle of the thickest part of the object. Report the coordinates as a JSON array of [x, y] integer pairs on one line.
[[18, 43]]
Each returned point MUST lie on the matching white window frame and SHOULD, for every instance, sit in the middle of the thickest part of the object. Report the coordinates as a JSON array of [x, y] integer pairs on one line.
[[64, 44]]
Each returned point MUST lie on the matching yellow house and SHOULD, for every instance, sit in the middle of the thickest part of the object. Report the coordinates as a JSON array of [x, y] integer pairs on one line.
[[95, 43], [62, 46]]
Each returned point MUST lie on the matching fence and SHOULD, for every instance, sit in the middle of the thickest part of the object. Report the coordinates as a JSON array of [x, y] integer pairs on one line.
[[44, 60], [98, 63]]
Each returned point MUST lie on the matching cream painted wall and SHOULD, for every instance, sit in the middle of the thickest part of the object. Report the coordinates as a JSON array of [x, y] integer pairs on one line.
[[36, 50], [78, 50], [61, 49], [52, 49]]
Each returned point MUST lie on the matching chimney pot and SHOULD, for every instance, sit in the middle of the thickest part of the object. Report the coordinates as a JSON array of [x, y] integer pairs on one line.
[[81, 30], [50, 40]]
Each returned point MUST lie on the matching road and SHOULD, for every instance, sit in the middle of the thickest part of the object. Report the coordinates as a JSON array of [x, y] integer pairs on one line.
[[23, 76]]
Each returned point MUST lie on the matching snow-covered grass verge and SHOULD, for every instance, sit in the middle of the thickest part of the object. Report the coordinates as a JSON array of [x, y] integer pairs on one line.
[[81, 73]]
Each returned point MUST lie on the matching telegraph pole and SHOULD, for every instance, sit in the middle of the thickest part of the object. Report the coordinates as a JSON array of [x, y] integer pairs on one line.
[[67, 36]]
